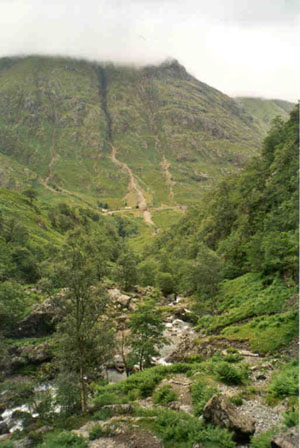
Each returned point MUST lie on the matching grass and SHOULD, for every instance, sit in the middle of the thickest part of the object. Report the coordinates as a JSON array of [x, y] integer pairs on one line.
[[266, 334], [244, 298], [285, 382], [180, 430], [164, 395], [154, 112]]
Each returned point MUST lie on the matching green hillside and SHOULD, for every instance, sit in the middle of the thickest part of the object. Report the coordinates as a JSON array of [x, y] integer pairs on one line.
[[102, 134], [263, 111]]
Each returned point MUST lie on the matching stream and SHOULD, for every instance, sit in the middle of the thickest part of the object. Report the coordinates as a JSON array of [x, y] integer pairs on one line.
[[175, 331]]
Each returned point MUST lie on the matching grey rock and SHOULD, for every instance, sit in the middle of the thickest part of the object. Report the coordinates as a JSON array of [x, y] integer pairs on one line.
[[286, 439], [219, 411]]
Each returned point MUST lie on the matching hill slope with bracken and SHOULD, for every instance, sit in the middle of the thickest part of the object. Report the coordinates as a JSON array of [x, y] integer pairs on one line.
[[95, 133]]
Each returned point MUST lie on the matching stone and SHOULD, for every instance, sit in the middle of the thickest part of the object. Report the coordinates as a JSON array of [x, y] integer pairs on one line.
[[121, 299], [261, 377], [219, 411], [41, 322], [174, 405], [286, 439]]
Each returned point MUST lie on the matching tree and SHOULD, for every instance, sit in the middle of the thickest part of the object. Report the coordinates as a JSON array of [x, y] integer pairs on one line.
[[146, 326], [84, 334], [165, 282], [127, 269]]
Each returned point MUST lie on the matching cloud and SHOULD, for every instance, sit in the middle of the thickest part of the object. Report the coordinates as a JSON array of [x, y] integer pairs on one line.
[[237, 46]]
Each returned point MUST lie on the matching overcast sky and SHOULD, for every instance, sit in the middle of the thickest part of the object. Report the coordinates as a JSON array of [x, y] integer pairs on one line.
[[241, 47]]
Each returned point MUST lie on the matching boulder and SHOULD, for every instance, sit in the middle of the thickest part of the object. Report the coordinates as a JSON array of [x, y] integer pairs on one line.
[[219, 411], [41, 322], [120, 299], [286, 439]]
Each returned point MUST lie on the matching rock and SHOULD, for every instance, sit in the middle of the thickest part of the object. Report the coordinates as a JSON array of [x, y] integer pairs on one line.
[[118, 363], [41, 322], [219, 411], [3, 428], [286, 439], [119, 408], [4, 437], [23, 443], [121, 299], [248, 353], [43, 429], [174, 405], [261, 377]]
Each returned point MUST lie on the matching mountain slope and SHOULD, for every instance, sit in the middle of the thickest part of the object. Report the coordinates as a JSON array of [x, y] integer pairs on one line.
[[175, 136], [263, 111]]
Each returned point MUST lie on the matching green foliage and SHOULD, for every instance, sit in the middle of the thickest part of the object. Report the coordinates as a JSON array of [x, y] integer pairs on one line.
[[181, 430], [83, 341], [247, 297], [266, 333], [237, 400], [165, 282], [63, 439], [285, 382], [201, 392], [263, 440], [291, 418], [12, 304], [7, 444], [230, 374], [146, 326], [98, 431], [164, 395]]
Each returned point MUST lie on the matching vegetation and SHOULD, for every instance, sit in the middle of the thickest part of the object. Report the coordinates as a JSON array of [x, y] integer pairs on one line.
[[285, 382], [164, 395], [235, 252], [146, 334]]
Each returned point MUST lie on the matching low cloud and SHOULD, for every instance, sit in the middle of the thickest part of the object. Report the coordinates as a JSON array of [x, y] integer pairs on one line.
[[242, 47]]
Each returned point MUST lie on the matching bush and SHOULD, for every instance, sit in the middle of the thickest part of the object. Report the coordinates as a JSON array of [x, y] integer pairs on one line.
[[291, 418], [286, 382], [64, 439], [201, 393], [96, 432], [106, 398], [229, 374], [237, 400], [263, 440], [164, 395], [165, 282], [179, 428]]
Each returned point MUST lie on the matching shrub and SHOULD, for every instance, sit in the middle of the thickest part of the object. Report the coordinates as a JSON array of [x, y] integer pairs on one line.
[[102, 414], [96, 432], [291, 418], [165, 282], [286, 382], [106, 398], [263, 440], [64, 439], [229, 374], [180, 429], [237, 400], [164, 395], [201, 393], [232, 357]]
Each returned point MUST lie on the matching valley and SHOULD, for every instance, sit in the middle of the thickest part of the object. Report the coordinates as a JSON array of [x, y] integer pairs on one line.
[[148, 260]]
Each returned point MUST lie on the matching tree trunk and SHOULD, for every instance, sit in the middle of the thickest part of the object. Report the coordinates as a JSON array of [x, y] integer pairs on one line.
[[82, 392]]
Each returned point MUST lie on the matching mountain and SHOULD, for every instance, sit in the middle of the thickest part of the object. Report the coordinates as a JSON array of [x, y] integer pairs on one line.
[[263, 111], [147, 139]]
